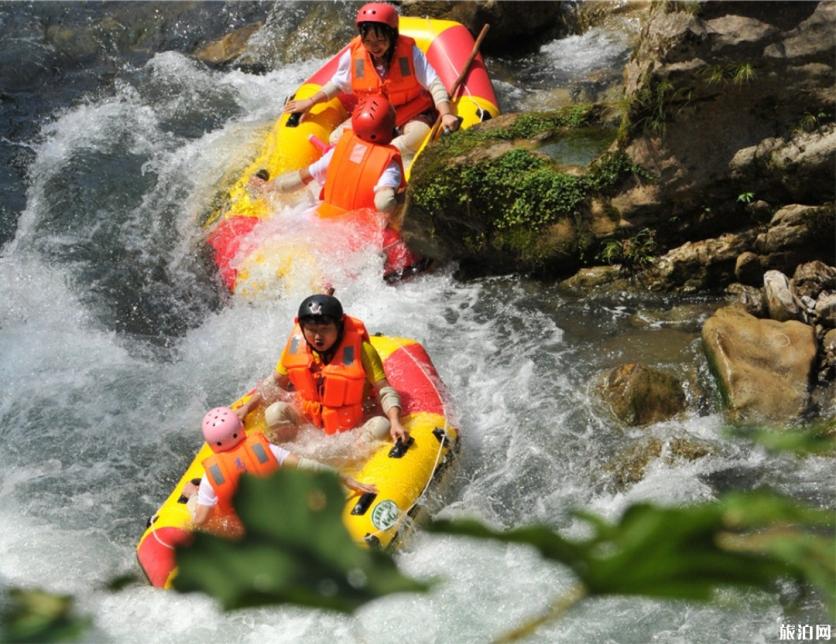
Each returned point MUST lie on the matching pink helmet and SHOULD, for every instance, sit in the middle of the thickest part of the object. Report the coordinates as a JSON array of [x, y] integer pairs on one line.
[[222, 429], [373, 119], [378, 12]]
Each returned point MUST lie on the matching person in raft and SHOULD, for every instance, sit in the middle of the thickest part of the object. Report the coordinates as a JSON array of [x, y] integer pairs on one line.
[[332, 386], [380, 60], [234, 452], [361, 171]]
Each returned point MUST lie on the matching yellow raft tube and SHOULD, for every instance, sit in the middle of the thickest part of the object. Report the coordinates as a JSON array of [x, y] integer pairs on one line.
[[401, 479]]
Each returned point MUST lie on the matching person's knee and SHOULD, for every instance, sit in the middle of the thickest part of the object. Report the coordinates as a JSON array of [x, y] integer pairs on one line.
[[376, 428], [277, 414], [282, 422]]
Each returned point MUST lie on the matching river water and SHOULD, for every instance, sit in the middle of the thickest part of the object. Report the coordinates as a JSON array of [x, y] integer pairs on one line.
[[115, 337]]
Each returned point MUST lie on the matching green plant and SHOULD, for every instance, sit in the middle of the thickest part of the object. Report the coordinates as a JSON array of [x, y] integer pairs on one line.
[[747, 539], [653, 106], [634, 253], [745, 197], [36, 616], [307, 558], [743, 74]]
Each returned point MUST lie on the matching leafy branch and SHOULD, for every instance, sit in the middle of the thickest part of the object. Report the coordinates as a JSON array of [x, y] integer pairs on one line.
[[747, 539]]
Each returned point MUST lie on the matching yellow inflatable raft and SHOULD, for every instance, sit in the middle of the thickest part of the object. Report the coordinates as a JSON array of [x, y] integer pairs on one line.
[[293, 144], [377, 520]]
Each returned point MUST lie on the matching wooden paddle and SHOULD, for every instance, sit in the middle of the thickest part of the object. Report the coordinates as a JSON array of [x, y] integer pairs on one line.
[[460, 80]]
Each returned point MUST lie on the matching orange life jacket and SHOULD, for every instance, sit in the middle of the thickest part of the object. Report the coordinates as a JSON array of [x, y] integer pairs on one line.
[[400, 86], [332, 395], [353, 172], [224, 469]]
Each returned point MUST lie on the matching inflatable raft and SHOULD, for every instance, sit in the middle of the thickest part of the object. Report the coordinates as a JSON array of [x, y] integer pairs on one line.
[[402, 477], [293, 144]]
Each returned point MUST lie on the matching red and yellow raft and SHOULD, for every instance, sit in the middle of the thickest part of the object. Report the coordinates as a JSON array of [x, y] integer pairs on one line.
[[375, 520], [447, 45]]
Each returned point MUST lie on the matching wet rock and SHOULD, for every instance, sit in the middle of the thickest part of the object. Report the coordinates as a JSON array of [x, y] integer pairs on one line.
[[827, 363], [826, 309], [801, 163], [588, 278], [779, 300], [805, 232], [748, 269], [709, 263], [227, 49], [763, 367], [639, 395], [515, 26], [630, 467], [749, 297], [812, 278]]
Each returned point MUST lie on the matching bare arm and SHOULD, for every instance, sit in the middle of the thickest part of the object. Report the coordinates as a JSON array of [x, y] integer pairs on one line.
[[390, 402]]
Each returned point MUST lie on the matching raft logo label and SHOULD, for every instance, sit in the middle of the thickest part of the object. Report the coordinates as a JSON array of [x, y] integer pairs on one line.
[[385, 514]]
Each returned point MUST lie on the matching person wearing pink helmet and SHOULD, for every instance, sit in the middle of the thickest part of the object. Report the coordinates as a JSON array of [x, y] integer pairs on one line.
[[361, 171], [234, 453], [380, 60]]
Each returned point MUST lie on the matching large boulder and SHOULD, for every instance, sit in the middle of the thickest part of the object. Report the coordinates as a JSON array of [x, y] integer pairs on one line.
[[727, 101], [763, 367], [639, 395]]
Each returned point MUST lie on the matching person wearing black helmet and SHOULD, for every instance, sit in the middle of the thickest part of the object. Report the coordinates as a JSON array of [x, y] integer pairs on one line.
[[332, 367]]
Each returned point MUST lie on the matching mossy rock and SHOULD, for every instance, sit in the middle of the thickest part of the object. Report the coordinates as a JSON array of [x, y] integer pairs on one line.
[[493, 200]]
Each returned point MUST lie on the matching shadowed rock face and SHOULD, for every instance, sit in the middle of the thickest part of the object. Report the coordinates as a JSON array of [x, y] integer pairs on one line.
[[763, 367]]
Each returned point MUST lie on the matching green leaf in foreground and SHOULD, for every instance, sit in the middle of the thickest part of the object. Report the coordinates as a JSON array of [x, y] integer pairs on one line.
[[745, 539], [296, 550], [817, 439], [38, 616]]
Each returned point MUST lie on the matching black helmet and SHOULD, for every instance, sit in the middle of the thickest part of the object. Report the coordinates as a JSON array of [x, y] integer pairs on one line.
[[321, 309]]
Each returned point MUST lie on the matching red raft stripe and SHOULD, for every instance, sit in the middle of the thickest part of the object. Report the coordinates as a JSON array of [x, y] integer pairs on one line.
[[324, 73], [156, 553], [226, 239], [455, 44], [410, 370]]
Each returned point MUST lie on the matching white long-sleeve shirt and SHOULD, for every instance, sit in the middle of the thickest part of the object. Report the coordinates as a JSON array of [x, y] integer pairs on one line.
[[425, 74], [389, 178]]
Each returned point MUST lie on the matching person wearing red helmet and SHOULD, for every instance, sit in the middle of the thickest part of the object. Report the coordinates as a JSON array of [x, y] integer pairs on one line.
[[380, 60], [236, 453], [362, 171]]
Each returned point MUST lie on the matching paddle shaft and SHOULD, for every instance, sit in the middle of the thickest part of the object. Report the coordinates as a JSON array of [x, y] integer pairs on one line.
[[457, 85]]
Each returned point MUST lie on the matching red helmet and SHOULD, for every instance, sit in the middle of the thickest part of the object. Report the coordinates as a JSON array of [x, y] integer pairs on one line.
[[378, 12], [373, 119]]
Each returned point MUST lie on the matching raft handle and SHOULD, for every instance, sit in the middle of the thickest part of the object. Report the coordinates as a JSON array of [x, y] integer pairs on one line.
[[483, 115], [293, 119], [372, 541], [363, 503], [400, 447], [441, 435]]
